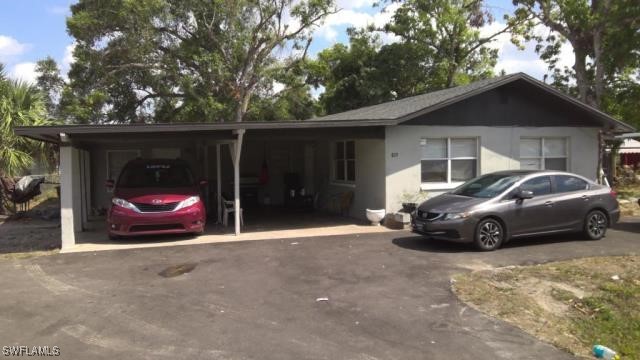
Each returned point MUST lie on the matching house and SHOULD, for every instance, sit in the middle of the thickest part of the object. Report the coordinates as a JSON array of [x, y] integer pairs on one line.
[[431, 142], [630, 152]]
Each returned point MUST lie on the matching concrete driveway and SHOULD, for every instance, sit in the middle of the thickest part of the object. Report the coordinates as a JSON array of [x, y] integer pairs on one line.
[[388, 298]]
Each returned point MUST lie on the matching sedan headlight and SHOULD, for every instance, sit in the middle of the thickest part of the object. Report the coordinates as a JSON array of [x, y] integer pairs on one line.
[[456, 216], [188, 202], [125, 204]]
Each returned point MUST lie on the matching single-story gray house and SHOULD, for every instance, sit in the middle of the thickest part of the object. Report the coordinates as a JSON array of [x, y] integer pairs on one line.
[[376, 154]]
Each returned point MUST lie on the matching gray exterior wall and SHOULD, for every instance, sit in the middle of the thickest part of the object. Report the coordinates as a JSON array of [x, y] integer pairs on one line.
[[369, 187], [499, 149]]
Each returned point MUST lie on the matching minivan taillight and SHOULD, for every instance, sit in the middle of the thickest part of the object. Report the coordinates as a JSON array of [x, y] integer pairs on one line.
[[613, 193]]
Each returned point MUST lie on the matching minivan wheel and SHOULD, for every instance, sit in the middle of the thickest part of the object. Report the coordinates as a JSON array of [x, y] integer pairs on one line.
[[595, 225], [489, 235]]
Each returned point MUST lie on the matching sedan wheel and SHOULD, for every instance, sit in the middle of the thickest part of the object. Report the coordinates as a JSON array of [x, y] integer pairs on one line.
[[595, 225], [489, 235]]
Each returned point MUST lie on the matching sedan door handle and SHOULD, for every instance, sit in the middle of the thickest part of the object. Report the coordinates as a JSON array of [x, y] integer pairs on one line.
[[585, 197], [548, 203]]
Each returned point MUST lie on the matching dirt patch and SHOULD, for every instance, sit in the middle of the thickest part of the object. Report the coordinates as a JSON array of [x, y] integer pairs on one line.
[[571, 304], [630, 208], [27, 237], [177, 270]]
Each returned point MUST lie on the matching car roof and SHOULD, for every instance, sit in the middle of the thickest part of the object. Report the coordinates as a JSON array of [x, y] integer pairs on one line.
[[519, 172], [536, 172]]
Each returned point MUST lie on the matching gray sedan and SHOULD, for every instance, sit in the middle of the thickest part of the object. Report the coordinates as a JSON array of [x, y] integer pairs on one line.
[[495, 208]]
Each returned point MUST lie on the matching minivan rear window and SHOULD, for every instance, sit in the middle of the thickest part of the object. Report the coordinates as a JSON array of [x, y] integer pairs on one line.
[[155, 175]]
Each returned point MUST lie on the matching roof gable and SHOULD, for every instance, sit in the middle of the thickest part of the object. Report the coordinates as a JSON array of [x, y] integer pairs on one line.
[[410, 108]]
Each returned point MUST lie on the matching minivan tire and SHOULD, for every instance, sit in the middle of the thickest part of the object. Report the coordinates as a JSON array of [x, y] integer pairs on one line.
[[489, 235], [595, 225]]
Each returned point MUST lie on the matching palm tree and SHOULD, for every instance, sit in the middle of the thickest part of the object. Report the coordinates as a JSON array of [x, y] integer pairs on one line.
[[21, 104]]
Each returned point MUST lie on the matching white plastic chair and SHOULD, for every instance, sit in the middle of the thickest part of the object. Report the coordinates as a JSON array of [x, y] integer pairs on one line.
[[228, 207]]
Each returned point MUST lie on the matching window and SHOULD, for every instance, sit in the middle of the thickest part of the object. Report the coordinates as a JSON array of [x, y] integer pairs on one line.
[[117, 159], [543, 154], [345, 161], [156, 175], [538, 186], [566, 183], [448, 160]]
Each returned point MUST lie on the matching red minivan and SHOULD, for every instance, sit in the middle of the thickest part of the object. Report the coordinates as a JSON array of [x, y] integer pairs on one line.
[[154, 196]]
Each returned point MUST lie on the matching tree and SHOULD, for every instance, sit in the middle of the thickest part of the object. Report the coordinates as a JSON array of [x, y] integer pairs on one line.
[[182, 60], [20, 105], [292, 101], [446, 33], [602, 30], [348, 74], [50, 82], [438, 45]]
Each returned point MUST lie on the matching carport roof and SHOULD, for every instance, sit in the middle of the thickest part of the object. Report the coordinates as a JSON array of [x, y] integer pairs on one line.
[[52, 133], [385, 114]]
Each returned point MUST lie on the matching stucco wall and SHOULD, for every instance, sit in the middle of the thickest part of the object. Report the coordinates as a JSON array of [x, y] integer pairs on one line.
[[369, 187], [499, 150]]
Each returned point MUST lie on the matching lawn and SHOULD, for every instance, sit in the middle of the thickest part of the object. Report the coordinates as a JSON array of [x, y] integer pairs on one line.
[[571, 304]]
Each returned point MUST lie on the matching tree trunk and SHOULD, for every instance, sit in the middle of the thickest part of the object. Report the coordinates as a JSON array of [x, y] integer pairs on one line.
[[599, 63], [243, 105], [579, 66], [600, 7]]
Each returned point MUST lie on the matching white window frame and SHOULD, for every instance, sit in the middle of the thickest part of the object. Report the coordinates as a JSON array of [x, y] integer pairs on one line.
[[108, 163], [334, 163], [542, 157], [449, 184]]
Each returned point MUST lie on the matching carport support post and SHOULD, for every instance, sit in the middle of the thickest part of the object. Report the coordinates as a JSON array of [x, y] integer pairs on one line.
[[70, 196], [219, 182], [236, 178]]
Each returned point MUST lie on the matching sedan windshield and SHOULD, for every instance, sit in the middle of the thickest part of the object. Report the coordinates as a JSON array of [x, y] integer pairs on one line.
[[487, 186], [156, 175]]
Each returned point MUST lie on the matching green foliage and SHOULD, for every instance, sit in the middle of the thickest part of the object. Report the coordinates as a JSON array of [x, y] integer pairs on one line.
[[439, 45], [20, 105], [605, 37], [181, 60], [50, 82], [616, 318]]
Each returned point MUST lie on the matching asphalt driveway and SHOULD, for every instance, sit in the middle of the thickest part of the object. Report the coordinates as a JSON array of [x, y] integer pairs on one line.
[[388, 298]]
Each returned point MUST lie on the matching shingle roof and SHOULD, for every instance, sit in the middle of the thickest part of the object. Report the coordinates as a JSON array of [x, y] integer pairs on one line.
[[411, 107], [400, 108]]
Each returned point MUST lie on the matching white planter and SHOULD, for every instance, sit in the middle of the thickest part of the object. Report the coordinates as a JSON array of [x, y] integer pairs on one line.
[[375, 216]]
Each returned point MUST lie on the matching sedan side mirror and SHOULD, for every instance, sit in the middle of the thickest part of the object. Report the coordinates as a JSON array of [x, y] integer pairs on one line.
[[524, 194]]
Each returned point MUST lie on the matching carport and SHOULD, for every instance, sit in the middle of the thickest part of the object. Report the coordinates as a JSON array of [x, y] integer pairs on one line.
[[91, 154]]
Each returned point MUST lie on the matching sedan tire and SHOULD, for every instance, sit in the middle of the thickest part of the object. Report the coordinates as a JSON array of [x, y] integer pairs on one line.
[[489, 235], [595, 225]]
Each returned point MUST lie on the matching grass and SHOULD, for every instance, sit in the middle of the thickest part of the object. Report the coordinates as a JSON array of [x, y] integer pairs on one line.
[[627, 191], [571, 304], [27, 255], [614, 318]]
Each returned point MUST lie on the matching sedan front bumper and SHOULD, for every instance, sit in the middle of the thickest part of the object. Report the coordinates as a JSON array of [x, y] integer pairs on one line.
[[460, 230]]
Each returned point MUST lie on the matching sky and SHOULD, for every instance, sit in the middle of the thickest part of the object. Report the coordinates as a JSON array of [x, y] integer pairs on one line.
[[30, 30]]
